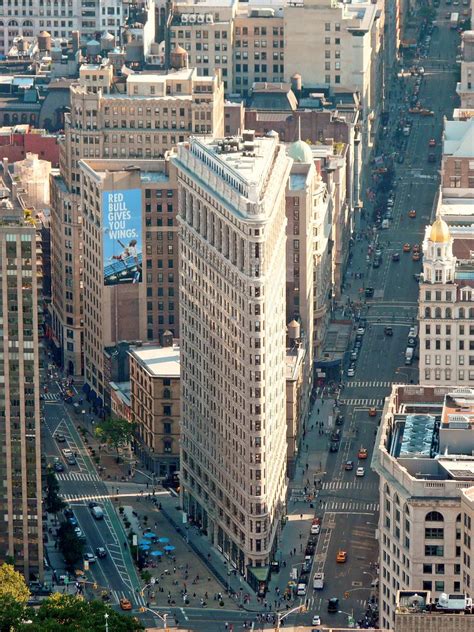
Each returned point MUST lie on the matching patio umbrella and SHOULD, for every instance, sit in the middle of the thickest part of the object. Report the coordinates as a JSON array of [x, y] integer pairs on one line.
[[149, 534], [163, 540], [169, 547], [144, 546], [156, 553]]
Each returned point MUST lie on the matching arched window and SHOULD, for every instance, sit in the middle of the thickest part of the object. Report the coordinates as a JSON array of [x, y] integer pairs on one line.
[[406, 509], [13, 23], [437, 312], [6, 119], [461, 313], [24, 117], [386, 490], [396, 499], [427, 312], [434, 516], [27, 23], [448, 313]]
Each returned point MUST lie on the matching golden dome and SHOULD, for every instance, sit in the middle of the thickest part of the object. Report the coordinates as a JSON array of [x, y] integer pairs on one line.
[[439, 232]]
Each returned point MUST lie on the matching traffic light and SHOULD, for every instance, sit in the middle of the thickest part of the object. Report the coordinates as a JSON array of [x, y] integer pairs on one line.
[[346, 595], [142, 609], [303, 608], [95, 586]]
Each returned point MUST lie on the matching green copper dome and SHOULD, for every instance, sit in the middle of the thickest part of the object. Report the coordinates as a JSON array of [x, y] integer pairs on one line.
[[300, 152]]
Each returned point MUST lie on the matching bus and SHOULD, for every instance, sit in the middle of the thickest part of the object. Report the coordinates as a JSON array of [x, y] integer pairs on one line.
[[454, 20]]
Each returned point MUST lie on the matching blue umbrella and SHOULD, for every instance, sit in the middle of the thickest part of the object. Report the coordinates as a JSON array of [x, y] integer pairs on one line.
[[156, 553], [149, 534], [163, 540], [145, 547], [169, 547]]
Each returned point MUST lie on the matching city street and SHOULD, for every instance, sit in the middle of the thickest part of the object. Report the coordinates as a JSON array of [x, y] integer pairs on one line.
[[346, 503]]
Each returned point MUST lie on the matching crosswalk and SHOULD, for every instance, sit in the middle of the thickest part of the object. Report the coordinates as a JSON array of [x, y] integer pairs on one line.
[[77, 476], [85, 498], [361, 401], [350, 506], [51, 397], [352, 485], [372, 384]]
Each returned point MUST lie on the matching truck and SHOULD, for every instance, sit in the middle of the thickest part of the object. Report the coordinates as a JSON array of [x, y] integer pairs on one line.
[[412, 336], [97, 512], [318, 581], [453, 21], [409, 355]]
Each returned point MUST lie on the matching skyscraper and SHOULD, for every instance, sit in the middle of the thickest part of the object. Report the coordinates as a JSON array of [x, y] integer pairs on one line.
[[232, 315], [21, 536]]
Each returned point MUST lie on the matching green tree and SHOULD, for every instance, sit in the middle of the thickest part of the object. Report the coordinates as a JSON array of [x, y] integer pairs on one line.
[[116, 432], [53, 502], [70, 545], [12, 613], [67, 612], [12, 584]]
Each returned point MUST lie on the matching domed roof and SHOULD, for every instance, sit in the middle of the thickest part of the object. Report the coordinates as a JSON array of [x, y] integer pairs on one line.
[[300, 152], [439, 232], [107, 36]]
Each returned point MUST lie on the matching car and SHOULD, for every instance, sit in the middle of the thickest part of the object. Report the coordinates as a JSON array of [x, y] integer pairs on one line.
[[341, 557], [125, 604], [350, 372], [68, 513], [372, 411], [388, 331], [412, 213], [406, 248], [362, 454], [58, 467], [354, 354], [60, 438], [333, 604], [316, 620], [421, 70], [431, 157], [349, 465], [360, 471], [416, 248], [376, 262], [101, 552], [369, 292], [315, 530], [359, 337], [432, 142], [357, 345], [66, 452], [400, 159], [92, 504], [79, 532], [360, 331], [417, 277], [390, 203], [416, 256], [340, 420], [396, 256], [89, 557], [71, 459], [72, 521], [334, 447]]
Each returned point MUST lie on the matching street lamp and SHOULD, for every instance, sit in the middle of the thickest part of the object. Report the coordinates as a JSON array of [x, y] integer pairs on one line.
[[163, 617], [106, 617], [350, 617], [281, 616]]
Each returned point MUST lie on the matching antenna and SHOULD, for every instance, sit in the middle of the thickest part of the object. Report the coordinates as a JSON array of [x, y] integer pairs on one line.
[[299, 127]]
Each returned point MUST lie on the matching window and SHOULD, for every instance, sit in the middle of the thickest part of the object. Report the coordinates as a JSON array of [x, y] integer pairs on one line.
[[439, 586], [434, 516], [427, 585], [427, 569], [433, 550], [439, 569], [434, 533]]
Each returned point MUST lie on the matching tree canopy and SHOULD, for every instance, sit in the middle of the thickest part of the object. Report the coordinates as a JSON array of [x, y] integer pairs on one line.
[[70, 545], [12, 584], [115, 431], [53, 502]]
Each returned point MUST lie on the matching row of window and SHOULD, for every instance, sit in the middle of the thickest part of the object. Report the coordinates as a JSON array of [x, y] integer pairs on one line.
[[437, 374]]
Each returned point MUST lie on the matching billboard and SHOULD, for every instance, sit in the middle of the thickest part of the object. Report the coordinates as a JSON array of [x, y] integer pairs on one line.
[[122, 245]]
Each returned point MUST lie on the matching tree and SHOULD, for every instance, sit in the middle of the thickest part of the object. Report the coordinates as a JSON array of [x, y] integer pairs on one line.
[[53, 502], [67, 612], [116, 432], [70, 545], [12, 613], [12, 584]]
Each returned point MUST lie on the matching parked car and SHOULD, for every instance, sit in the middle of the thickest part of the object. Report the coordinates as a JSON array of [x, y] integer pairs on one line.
[[89, 557], [388, 331], [71, 460], [334, 447], [349, 465], [58, 467], [396, 256], [369, 292], [360, 471], [101, 552], [60, 438]]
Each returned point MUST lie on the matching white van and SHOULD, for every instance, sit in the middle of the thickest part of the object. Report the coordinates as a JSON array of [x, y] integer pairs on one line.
[[318, 581], [97, 512], [301, 590]]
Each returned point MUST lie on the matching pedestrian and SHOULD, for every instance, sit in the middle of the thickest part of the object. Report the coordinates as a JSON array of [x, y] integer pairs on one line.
[[226, 625]]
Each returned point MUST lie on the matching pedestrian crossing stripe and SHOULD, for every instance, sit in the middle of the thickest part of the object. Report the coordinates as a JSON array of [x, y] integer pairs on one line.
[[77, 476], [361, 402], [51, 397], [74, 498], [350, 506], [371, 384], [335, 485]]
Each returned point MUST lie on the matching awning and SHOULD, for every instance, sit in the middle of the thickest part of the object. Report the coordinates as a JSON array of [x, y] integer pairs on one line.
[[260, 573]]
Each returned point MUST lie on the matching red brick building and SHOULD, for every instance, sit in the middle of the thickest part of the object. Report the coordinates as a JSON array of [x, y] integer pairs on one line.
[[17, 141]]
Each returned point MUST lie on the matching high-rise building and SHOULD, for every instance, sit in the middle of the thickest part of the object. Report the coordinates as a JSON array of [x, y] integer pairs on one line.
[[465, 88], [424, 457], [232, 313], [151, 115], [21, 531], [446, 306]]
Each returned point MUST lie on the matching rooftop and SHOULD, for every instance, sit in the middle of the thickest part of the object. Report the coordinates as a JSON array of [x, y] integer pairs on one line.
[[459, 138], [294, 360], [421, 602], [158, 361]]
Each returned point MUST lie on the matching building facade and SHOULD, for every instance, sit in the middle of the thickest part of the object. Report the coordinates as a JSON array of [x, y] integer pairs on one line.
[[21, 529], [151, 115], [155, 402], [446, 306], [232, 309], [423, 455], [465, 87]]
